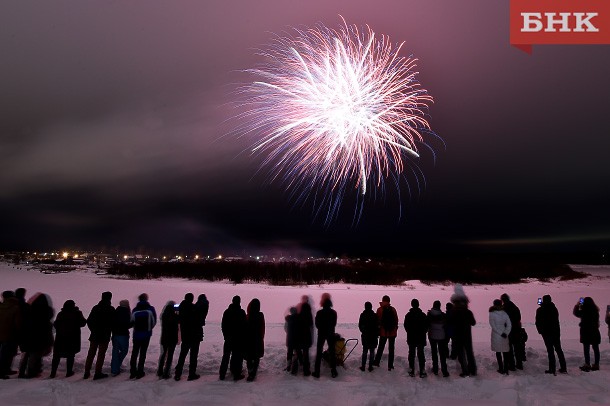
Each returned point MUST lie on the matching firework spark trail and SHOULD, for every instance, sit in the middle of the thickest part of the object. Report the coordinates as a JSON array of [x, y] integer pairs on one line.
[[335, 109]]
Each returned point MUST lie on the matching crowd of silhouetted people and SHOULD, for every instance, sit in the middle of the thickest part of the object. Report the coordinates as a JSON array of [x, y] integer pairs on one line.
[[28, 326]]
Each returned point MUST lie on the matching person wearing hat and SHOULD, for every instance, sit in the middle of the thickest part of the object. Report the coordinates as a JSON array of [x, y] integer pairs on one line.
[[100, 323], [547, 324], [388, 330]]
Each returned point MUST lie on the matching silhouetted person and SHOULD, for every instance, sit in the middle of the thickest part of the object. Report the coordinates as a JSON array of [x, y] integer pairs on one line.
[[233, 327], [588, 312], [191, 331], [326, 321], [291, 325], [388, 330], [500, 329], [547, 324], [368, 324], [255, 338], [120, 336], [10, 328], [516, 355], [449, 330], [100, 323], [200, 313], [608, 320], [169, 338], [305, 329], [437, 336], [24, 306], [144, 318], [416, 326], [67, 325], [461, 321], [38, 339]]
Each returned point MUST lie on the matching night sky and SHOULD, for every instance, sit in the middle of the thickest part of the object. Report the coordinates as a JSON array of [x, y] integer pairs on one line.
[[114, 123]]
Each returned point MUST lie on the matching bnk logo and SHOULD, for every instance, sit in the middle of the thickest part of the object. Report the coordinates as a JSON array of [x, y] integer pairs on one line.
[[567, 22], [559, 22]]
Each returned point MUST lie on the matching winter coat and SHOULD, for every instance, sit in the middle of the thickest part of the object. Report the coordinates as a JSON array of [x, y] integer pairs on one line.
[[304, 326], [369, 327], [233, 324], [608, 321], [188, 322], [589, 324], [67, 325], [461, 320], [200, 313], [122, 322], [169, 328], [391, 320], [500, 324], [144, 319], [255, 335], [437, 321], [514, 314], [326, 321], [291, 328], [10, 320], [100, 321], [39, 329], [416, 326], [547, 320]]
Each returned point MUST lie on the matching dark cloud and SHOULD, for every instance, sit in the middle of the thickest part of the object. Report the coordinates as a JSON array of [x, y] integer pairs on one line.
[[114, 130]]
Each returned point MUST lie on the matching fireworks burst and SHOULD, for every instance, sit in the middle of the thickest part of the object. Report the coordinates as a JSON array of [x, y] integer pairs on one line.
[[333, 111]]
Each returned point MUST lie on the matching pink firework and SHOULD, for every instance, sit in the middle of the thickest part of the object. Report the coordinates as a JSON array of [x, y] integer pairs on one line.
[[335, 110]]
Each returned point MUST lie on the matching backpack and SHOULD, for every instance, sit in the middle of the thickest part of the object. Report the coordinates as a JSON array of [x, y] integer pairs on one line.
[[387, 319]]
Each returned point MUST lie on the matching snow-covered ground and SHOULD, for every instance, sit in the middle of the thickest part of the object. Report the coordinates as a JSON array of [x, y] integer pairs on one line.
[[273, 386]]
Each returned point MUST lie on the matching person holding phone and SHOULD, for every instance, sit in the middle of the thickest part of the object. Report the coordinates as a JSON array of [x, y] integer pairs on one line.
[[547, 324], [588, 312]]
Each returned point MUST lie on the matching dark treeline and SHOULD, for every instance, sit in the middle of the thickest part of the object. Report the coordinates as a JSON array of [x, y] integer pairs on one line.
[[465, 271]]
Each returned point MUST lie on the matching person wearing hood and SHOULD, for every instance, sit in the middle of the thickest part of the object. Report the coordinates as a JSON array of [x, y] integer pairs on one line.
[[500, 329], [547, 325], [38, 340], [416, 325], [388, 330], [100, 323], [144, 319], [438, 337], [461, 321], [255, 338], [233, 326], [120, 336], [368, 324], [588, 313], [10, 327], [169, 339], [67, 325], [326, 321]]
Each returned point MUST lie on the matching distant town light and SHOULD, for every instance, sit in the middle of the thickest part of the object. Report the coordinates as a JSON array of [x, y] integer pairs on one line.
[[75, 255], [125, 257], [196, 256], [65, 255]]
